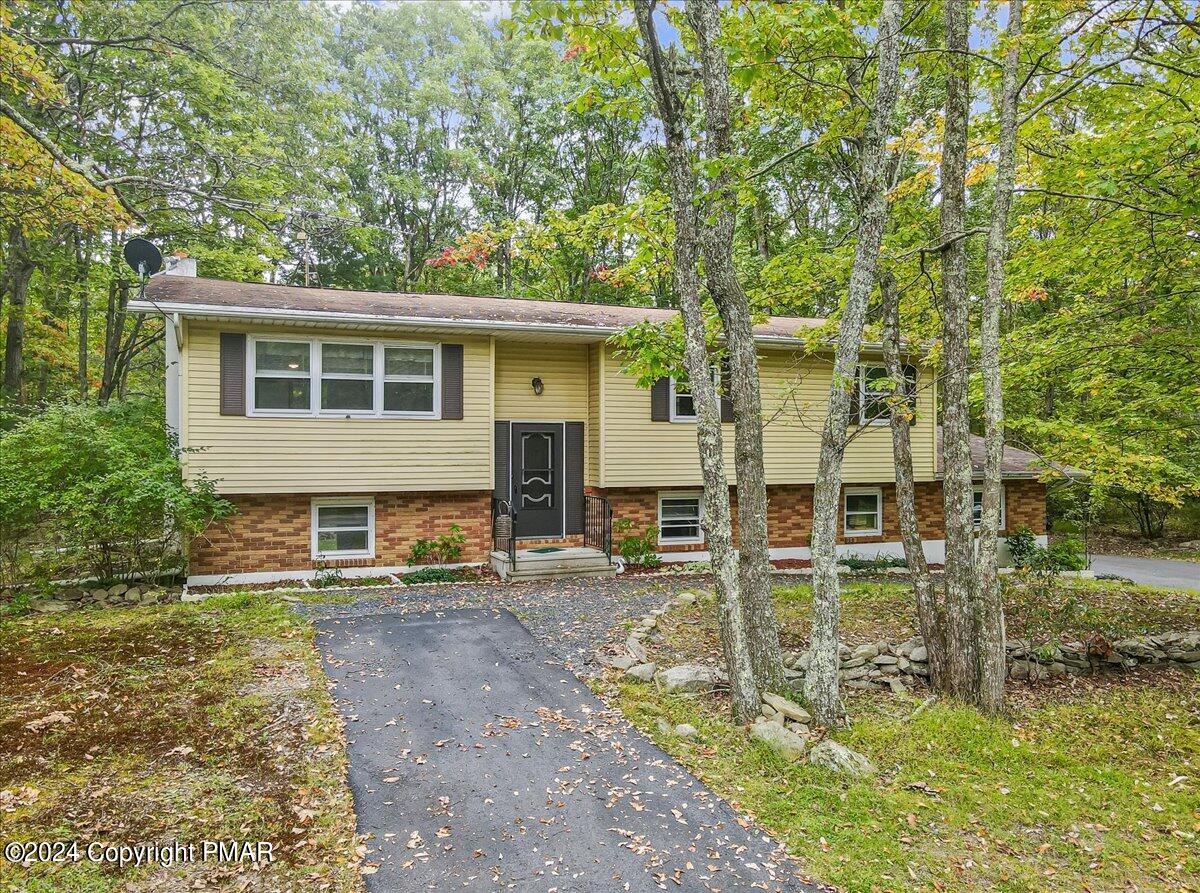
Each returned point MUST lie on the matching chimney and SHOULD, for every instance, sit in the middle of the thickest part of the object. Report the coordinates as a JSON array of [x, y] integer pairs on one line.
[[181, 265]]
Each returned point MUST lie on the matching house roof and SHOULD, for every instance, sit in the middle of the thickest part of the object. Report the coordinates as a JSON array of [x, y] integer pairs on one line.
[[218, 297], [1017, 463]]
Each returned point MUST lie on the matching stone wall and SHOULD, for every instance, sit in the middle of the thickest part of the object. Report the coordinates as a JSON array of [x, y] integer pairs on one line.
[[273, 532], [882, 665]]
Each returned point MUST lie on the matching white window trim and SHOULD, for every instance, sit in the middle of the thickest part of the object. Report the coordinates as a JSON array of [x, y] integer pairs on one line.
[[677, 417], [698, 495], [314, 376], [1003, 508], [353, 501], [877, 492]]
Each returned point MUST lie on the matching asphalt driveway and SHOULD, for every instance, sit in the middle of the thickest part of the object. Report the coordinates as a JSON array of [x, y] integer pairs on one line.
[[478, 762], [1169, 572]]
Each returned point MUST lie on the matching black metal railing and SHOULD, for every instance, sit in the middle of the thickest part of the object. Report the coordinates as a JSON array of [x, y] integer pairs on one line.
[[504, 530], [597, 524]]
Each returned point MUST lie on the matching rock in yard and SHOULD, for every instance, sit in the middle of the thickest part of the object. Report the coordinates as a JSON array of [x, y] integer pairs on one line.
[[49, 607], [839, 758], [686, 598], [686, 730], [636, 649], [642, 672], [786, 743], [687, 678], [790, 709], [919, 655], [618, 662]]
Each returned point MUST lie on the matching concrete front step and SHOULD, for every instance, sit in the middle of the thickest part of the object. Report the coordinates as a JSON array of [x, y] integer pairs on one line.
[[568, 562]]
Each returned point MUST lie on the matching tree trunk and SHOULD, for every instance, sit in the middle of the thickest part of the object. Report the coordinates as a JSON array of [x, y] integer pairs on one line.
[[929, 608], [81, 282], [717, 517], [821, 682], [716, 239], [19, 274], [990, 627], [961, 591], [114, 329]]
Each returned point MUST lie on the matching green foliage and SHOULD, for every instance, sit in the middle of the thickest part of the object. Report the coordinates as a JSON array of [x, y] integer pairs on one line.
[[636, 548], [328, 578], [879, 562], [444, 549], [1065, 554], [432, 575], [97, 491]]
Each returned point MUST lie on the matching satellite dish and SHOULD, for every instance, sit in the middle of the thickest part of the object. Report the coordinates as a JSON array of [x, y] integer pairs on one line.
[[143, 257]]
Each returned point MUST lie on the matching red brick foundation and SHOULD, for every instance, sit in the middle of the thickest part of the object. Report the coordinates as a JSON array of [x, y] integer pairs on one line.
[[273, 532], [789, 512]]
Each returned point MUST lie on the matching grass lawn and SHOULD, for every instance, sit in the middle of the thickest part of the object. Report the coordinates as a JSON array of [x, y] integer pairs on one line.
[[1091, 784], [174, 723]]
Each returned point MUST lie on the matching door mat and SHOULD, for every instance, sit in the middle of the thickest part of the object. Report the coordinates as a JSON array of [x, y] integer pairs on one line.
[[544, 549]]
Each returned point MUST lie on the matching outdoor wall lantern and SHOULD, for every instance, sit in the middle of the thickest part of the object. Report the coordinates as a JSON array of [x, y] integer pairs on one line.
[[538, 387]]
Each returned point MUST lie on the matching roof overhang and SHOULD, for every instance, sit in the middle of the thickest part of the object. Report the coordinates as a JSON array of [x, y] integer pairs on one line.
[[171, 309]]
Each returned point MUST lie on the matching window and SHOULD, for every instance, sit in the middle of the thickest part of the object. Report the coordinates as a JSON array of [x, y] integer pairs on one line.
[[863, 510], [679, 518], [361, 378], [343, 528], [977, 507], [408, 379], [874, 390], [348, 377], [282, 375], [683, 406]]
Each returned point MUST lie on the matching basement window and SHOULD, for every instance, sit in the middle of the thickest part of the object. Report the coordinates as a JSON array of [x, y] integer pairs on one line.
[[863, 511], [679, 517], [977, 507], [343, 528]]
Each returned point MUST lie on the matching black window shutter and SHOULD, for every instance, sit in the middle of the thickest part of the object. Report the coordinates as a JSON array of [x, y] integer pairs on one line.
[[660, 401], [573, 477], [910, 390], [500, 487], [233, 373], [452, 381], [726, 401]]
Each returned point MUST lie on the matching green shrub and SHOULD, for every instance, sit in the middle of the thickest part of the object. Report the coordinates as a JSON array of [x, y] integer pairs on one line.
[[97, 491], [432, 575], [635, 548], [879, 562], [328, 578], [1064, 555], [444, 549]]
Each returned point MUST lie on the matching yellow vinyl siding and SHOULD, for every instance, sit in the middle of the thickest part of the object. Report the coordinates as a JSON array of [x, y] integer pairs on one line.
[[591, 451], [562, 367], [637, 452], [335, 455]]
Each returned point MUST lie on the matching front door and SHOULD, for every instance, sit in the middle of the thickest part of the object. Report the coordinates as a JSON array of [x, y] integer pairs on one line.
[[537, 479]]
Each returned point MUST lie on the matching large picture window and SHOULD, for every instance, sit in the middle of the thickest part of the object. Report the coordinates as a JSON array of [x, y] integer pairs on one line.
[[679, 518], [343, 528], [360, 378], [863, 511]]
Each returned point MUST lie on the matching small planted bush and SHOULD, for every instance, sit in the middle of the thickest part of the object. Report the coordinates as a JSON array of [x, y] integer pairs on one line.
[[444, 549], [636, 548], [432, 575]]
